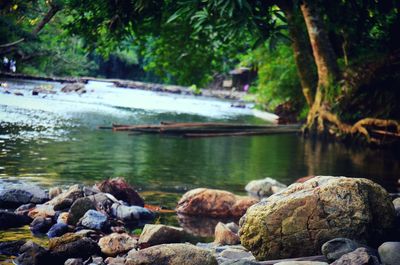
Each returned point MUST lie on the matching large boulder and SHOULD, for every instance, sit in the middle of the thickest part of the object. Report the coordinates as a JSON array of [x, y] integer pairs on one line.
[[172, 254], [264, 187], [10, 220], [121, 189], [297, 221], [156, 234], [67, 198], [16, 195], [115, 244], [215, 203]]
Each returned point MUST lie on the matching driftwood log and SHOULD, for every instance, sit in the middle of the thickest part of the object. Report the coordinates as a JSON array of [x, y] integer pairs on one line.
[[205, 129]]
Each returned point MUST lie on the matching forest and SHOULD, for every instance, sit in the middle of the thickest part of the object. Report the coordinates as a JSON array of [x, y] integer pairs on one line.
[[334, 64]]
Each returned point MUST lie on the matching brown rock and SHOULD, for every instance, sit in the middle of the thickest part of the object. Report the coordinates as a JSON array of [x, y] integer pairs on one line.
[[360, 256], [156, 234], [226, 234], [54, 192], [65, 199], [172, 254], [115, 244], [297, 221], [64, 239], [121, 189], [215, 203], [41, 211]]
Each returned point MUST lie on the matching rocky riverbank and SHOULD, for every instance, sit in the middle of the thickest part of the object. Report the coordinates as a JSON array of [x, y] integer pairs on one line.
[[323, 220]]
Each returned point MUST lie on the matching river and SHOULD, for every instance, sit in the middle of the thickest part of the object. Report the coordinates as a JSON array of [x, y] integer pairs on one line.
[[53, 140]]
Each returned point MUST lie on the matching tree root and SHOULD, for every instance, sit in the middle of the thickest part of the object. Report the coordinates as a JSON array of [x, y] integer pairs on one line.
[[375, 131]]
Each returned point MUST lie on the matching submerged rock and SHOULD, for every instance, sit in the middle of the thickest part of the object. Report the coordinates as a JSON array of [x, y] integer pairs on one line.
[[264, 187], [390, 253], [335, 248], [121, 189], [360, 256], [10, 220], [131, 214], [33, 254], [115, 244], [200, 225], [172, 254], [214, 203], [226, 234], [74, 87], [17, 195], [297, 221], [156, 234]]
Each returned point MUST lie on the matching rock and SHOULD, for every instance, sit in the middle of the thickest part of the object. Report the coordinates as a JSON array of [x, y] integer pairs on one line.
[[57, 230], [74, 87], [119, 188], [64, 239], [10, 220], [390, 253], [80, 248], [32, 254], [24, 209], [264, 187], [115, 244], [115, 261], [62, 218], [17, 195], [40, 225], [172, 254], [11, 248], [42, 210], [304, 179], [240, 262], [226, 234], [156, 234], [335, 248], [360, 256], [131, 214], [302, 263], [215, 203], [78, 210], [396, 203], [235, 254], [96, 260], [65, 199], [298, 220], [90, 190], [54, 192], [199, 225], [73, 262], [95, 220]]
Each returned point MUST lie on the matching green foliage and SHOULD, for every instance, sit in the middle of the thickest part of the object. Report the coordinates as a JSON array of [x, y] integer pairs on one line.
[[278, 81]]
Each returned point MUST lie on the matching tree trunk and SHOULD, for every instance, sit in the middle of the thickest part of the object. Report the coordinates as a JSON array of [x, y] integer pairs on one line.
[[325, 59], [301, 48], [46, 19]]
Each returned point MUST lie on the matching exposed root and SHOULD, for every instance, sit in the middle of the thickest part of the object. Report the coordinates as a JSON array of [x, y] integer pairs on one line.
[[376, 131]]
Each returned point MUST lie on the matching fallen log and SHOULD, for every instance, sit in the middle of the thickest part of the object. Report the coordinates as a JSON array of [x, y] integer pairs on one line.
[[264, 132]]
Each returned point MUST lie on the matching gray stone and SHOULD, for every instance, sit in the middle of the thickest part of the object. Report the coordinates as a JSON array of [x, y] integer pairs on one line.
[[172, 254], [303, 263], [17, 195], [78, 210], [236, 254], [79, 248], [156, 234], [396, 203], [335, 248], [131, 214], [264, 187], [240, 262], [95, 220], [390, 253], [54, 192], [73, 262], [360, 256], [65, 199]]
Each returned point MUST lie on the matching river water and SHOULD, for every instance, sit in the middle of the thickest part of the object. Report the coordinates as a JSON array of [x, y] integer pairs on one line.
[[53, 140]]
